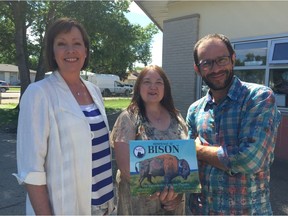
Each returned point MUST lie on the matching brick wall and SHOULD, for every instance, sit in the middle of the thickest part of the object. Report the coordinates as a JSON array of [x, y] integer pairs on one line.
[[179, 37]]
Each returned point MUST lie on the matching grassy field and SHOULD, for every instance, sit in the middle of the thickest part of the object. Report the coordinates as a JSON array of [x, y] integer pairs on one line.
[[9, 115], [116, 104], [14, 89]]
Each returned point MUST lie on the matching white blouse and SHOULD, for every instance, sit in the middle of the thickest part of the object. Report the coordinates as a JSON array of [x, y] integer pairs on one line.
[[54, 144]]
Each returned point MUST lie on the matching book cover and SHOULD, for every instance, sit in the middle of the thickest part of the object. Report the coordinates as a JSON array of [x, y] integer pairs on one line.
[[157, 163]]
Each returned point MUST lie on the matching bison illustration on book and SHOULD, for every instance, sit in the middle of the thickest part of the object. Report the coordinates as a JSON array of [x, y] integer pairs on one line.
[[165, 165]]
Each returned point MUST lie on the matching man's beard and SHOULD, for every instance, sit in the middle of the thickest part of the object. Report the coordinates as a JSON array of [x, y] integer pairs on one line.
[[224, 86]]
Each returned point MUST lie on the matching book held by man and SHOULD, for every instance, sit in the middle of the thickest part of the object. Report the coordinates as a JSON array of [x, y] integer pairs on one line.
[[157, 163]]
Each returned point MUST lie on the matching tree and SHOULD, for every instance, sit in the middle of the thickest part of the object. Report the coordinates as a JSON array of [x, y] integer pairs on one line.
[[144, 44], [16, 13], [115, 43], [19, 10], [7, 32], [46, 15]]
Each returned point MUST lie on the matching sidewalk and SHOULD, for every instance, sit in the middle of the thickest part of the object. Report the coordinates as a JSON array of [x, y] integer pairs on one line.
[[12, 196], [279, 187]]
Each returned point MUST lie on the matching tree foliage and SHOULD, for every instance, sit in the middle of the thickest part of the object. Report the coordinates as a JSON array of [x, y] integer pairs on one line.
[[7, 32], [116, 44]]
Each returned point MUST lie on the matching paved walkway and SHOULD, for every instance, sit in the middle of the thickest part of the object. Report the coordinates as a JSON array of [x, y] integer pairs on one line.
[[12, 196]]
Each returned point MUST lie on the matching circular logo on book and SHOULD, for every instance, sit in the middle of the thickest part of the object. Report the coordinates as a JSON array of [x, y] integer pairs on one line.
[[139, 151]]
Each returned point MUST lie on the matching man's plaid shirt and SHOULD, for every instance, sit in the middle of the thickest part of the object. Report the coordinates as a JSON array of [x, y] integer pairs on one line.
[[244, 125]]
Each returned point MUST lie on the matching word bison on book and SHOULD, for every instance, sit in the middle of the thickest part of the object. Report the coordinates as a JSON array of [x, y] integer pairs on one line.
[[176, 165], [165, 165]]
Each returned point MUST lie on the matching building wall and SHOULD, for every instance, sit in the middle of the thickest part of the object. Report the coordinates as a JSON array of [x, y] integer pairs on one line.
[[239, 20], [190, 20], [236, 19], [179, 37], [2, 76], [281, 148]]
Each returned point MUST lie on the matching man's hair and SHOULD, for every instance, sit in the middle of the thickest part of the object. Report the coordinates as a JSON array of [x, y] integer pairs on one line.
[[222, 37]]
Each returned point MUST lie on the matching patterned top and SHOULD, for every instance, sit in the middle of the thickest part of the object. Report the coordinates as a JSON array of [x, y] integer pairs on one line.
[[244, 125], [132, 127], [102, 183]]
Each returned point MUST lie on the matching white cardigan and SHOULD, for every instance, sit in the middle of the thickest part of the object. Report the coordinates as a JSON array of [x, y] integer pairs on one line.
[[54, 144]]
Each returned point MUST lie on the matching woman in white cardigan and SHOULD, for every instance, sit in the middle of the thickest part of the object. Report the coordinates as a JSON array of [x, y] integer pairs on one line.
[[63, 152]]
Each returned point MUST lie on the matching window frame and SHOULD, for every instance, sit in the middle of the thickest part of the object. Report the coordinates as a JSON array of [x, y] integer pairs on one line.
[[272, 50], [271, 41]]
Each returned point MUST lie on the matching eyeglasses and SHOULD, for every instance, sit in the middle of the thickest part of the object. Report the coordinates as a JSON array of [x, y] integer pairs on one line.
[[207, 65]]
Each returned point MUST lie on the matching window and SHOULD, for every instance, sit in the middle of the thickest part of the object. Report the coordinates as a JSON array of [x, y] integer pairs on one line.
[[279, 52], [264, 61], [251, 60], [254, 76], [278, 81], [251, 54]]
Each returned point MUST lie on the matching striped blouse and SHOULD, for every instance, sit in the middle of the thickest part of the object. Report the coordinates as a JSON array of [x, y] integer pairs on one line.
[[102, 184]]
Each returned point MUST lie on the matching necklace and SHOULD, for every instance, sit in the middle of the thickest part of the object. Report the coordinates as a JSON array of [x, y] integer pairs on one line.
[[81, 90], [78, 93]]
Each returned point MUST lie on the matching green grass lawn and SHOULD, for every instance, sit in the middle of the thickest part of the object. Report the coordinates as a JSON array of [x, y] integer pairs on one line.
[[14, 89], [9, 115], [114, 105]]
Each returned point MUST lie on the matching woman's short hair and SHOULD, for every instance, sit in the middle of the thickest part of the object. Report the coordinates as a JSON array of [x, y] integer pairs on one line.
[[63, 25]]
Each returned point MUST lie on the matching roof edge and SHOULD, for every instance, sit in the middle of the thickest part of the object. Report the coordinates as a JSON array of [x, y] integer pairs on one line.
[[147, 14]]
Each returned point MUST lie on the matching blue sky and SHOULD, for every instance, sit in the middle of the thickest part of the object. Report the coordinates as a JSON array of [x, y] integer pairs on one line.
[[137, 16]]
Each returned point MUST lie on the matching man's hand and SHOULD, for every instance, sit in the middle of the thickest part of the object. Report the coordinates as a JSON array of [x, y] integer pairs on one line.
[[208, 154]]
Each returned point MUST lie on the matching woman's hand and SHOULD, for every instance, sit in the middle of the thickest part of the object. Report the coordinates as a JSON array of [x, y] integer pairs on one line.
[[122, 159], [168, 198]]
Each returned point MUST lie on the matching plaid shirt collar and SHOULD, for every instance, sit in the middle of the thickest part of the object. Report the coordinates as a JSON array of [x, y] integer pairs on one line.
[[233, 93]]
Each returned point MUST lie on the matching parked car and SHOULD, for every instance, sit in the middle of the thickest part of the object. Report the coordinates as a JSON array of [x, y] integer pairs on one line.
[[129, 86], [3, 86]]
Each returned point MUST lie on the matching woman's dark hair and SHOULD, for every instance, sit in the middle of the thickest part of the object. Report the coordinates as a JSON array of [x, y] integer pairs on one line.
[[63, 25], [137, 103], [222, 37]]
